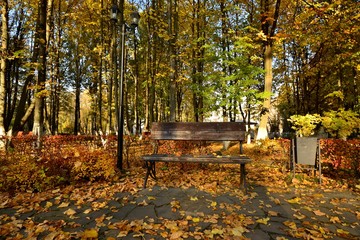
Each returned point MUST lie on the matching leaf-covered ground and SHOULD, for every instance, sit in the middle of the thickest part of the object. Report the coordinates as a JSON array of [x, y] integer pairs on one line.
[[191, 201]]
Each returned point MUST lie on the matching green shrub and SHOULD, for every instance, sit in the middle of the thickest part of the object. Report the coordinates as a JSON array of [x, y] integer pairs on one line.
[[304, 125], [341, 123]]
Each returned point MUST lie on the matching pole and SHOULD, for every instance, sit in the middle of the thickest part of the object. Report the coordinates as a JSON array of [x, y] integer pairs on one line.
[[121, 112]]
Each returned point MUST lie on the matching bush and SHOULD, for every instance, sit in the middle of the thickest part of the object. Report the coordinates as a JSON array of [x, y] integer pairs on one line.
[[340, 154], [62, 160], [341, 123], [305, 125]]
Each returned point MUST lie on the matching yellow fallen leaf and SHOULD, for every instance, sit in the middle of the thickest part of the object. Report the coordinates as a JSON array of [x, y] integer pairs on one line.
[[213, 204], [48, 204], [164, 234], [299, 216], [238, 231], [318, 195], [276, 201], [295, 181], [335, 219], [290, 224], [172, 226], [273, 213], [263, 220], [64, 204], [194, 199], [318, 213], [151, 198], [341, 231], [122, 234], [176, 235], [87, 211], [90, 233], [307, 208], [217, 231], [70, 212], [196, 220], [294, 200]]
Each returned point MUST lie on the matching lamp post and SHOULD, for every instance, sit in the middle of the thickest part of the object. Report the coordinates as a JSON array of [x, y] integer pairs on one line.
[[135, 17]]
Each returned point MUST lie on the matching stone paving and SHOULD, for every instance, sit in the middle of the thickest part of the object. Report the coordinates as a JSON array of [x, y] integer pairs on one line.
[[262, 214]]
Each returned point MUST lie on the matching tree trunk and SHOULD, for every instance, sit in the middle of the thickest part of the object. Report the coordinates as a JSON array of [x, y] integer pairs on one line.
[[172, 52], [262, 132], [40, 88], [3, 66], [77, 93], [268, 28]]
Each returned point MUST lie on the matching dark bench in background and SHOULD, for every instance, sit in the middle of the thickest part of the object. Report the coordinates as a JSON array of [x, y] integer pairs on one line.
[[197, 131]]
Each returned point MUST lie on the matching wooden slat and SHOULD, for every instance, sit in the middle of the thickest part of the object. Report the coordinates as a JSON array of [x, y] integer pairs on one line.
[[232, 131], [197, 159]]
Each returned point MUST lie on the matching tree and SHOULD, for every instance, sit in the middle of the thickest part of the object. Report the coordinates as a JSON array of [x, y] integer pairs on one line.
[[3, 67], [40, 92], [268, 28]]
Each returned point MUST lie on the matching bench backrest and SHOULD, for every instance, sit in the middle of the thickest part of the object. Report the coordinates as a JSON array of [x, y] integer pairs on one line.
[[212, 131]]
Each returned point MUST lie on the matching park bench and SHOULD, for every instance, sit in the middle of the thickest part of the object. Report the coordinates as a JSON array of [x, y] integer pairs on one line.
[[197, 131]]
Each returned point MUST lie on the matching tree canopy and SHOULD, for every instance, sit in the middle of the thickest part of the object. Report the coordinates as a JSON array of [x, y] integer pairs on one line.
[[187, 61]]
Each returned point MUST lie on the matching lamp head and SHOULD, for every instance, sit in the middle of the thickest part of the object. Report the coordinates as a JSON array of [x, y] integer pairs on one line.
[[135, 18], [114, 12]]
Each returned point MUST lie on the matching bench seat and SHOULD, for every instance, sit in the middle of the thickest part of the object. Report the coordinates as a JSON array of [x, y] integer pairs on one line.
[[197, 158]]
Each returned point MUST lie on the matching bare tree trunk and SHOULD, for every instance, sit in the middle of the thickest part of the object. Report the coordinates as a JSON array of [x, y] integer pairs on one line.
[[172, 84], [40, 88], [268, 30], [3, 66], [262, 132]]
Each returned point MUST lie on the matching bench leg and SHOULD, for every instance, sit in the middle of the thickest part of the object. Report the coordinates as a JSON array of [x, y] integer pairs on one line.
[[150, 171], [242, 177]]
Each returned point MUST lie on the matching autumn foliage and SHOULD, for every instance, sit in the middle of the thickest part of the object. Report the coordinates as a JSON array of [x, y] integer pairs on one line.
[[65, 160]]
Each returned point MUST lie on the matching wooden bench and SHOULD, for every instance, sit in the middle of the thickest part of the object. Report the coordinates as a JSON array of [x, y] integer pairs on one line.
[[197, 131]]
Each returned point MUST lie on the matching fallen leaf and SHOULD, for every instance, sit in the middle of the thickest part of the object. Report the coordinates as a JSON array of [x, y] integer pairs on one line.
[[87, 211], [196, 220], [176, 235], [193, 199], [64, 204], [299, 216], [342, 232], [70, 212], [335, 219], [272, 213], [318, 195], [217, 231], [294, 200], [90, 233], [318, 213], [48, 204], [238, 231], [263, 221], [290, 224]]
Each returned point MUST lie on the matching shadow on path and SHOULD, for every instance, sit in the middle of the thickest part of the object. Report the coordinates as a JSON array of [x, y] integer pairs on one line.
[[173, 213]]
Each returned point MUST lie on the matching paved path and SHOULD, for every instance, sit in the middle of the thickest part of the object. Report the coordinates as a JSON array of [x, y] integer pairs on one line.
[[172, 213]]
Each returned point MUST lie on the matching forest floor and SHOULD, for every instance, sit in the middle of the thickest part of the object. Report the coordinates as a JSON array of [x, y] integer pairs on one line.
[[189, 202]]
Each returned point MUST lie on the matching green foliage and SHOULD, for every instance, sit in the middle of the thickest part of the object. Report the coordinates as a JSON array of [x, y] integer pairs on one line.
[[304, 125], [341, 123]]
